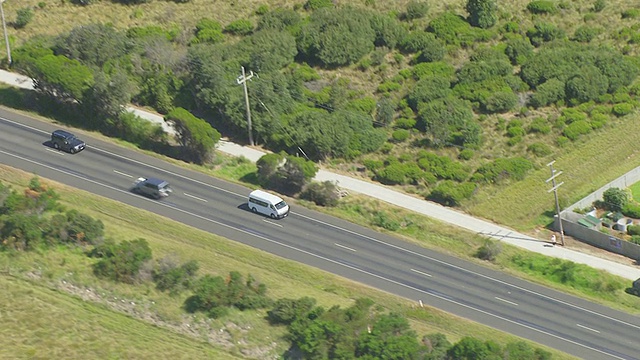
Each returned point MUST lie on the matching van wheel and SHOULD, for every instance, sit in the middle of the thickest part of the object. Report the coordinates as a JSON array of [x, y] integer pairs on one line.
[[273, 216], [254, 210]]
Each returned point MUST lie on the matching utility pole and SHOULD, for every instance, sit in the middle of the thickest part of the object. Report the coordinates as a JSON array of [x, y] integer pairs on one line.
[[555, 187], [242, 80], [6, 36]]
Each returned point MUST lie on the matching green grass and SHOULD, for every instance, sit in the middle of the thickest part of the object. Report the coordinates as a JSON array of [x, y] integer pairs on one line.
[[586, 165], [41, 323], [64, 274]]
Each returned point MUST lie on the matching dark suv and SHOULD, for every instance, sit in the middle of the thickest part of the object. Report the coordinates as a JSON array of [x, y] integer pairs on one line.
[[66, 141], [153, 187]]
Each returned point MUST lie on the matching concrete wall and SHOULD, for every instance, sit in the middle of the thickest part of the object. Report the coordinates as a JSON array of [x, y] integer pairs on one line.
[[622, 182], [596, 237]]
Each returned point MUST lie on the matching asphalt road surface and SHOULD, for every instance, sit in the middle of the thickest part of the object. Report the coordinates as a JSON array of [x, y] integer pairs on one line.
[[567, 323]]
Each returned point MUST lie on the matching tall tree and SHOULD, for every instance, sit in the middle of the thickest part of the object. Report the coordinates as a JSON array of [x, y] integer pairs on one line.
[[482, 13], [195, 135]]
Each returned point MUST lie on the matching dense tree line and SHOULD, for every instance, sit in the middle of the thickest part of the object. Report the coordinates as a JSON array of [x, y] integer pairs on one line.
[[95, 69]]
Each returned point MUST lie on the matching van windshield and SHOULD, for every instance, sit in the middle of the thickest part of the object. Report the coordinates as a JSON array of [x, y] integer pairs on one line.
[[280, 205]]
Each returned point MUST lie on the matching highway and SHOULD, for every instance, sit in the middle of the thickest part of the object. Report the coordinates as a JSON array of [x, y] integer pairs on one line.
[[564, 322]]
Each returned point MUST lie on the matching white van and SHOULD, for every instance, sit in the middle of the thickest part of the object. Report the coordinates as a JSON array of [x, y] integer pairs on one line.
[[264, 203]]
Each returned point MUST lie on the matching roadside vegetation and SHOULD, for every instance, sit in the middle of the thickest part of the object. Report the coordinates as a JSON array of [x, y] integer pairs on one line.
[[186, 283]]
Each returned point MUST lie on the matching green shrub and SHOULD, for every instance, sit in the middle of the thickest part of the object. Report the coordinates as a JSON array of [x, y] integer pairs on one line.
[[599, 5], [489, 251], [466, 154], [262, 9], [548, 93], [631, 210], [574, 130], [539, 125], [208, 30], [598, 120], [519, 49], [631, 14], [400, 135], [585, 33], [622, 109], [392, 174], [503, 168], [542, 7], [239, 27], [24, 17], [213, 295], [82, 228], [635, 239], [449, 193], [452, 29], [633, 230], [317, 4], [373, 165], [540, 149], [324, 193], [514, 140], [121, 262], [416, 9], [435, 69], [381, 219], [405, 123], [571, 115], [501, 102], [615, 199], [514, 128], [174, 278], [389, 86], [286, 311]]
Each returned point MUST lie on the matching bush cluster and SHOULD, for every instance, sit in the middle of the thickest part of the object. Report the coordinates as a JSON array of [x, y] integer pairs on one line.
[[504, 168], [213, 295], [34, 219], [285, 173], [121, 262], [324, 193]]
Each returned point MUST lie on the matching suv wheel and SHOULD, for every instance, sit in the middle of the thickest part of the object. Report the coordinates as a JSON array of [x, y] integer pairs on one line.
[[72, 150], [56, 146]]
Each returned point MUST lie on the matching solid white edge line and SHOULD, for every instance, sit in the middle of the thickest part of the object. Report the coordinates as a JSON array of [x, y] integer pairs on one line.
[[320, 257]]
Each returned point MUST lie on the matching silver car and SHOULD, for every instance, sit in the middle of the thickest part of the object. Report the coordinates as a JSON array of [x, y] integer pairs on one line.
[[152, 187]]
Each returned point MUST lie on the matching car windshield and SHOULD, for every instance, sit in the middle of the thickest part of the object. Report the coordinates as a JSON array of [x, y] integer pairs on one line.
[[280, 205]]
